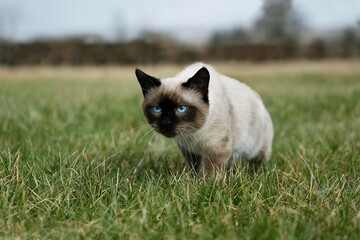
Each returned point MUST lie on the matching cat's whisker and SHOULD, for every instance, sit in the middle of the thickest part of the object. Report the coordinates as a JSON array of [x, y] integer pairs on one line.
[[191, 142], [149, 138], [146, 135]]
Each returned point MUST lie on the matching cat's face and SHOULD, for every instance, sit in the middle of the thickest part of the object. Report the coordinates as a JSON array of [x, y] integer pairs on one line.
[[177, 111]]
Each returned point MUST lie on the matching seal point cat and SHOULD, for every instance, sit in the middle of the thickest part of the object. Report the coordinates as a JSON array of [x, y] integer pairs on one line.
[[213, 118]]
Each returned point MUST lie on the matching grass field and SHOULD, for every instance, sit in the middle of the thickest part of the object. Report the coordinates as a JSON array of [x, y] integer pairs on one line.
[[77, 161]]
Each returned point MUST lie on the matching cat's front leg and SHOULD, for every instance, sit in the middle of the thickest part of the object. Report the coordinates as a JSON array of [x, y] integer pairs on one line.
[[193, 159], [214, 162]]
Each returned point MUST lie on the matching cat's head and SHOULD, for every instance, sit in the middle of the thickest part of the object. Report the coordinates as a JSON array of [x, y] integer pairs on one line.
[[174, 110]]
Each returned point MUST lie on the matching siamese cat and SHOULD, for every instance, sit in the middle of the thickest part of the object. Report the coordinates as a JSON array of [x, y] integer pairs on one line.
[[213, 118]]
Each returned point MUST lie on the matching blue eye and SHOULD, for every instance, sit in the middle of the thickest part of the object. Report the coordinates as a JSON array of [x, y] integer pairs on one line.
[[181, 109], [157, 109]]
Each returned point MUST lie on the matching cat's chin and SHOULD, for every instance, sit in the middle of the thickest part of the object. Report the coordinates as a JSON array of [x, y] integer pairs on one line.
[[175, 134], [170, 135], [167, 134]]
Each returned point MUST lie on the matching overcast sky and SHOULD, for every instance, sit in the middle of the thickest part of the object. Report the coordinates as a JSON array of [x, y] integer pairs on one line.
[[185, 18]]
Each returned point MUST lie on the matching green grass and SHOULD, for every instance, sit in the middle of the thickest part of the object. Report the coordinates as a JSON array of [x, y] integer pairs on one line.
[[77, 161]]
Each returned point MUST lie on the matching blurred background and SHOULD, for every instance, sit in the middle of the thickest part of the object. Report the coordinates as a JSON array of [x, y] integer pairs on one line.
[[111, 32]]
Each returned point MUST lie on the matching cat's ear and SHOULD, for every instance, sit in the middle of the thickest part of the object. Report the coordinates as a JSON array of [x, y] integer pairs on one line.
[[147, 82], [200, 83]]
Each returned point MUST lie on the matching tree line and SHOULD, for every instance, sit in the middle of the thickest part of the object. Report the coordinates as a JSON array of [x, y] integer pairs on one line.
[[143, 51]]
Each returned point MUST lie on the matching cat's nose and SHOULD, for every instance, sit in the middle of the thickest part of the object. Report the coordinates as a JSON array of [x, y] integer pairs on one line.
[[166, 121]]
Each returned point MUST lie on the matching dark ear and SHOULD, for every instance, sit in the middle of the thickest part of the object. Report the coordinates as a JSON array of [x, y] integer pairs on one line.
[[146, 81], [200, 83]]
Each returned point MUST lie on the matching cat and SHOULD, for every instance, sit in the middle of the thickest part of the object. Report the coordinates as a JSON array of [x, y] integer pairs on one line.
[[213, 118]]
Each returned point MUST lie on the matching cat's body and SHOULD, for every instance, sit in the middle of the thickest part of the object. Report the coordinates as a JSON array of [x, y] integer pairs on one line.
[[223, 118]]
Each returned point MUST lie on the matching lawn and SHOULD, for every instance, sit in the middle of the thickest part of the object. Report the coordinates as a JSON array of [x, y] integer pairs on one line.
[[77, 160]]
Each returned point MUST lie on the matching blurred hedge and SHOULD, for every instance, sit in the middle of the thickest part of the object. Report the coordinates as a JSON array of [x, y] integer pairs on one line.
[[154, 51]]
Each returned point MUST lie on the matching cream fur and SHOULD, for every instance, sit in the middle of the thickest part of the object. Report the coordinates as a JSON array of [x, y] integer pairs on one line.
[[237, 123]]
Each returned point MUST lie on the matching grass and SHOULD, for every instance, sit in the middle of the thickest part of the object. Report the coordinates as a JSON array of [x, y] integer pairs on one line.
[[76, 162]]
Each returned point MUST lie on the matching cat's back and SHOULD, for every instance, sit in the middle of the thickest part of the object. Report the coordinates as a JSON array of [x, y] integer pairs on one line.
[[216, 79], [173, 82], [240, 95], [190, 71]]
